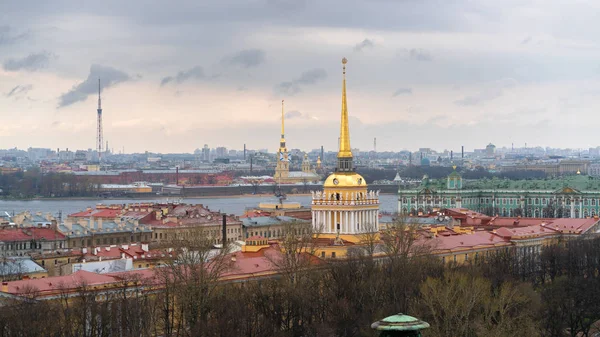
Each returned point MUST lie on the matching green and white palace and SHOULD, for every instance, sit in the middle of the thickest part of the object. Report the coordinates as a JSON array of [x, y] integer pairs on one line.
[[569, 197]]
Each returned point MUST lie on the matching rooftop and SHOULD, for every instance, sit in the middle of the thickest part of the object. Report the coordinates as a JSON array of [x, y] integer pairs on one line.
[[576, 182]]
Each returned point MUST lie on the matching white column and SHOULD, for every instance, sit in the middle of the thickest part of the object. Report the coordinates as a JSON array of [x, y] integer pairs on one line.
[[335, 221], [314, 218], [346, 221], [361, 224], [373, 224], [351, 224], [328, 221]]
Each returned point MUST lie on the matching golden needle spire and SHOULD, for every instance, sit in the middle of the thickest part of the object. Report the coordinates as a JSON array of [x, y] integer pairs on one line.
[[345, 150], [282, 130]]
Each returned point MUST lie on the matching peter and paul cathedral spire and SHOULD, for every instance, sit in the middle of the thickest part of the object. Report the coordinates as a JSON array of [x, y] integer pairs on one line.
[[345, 163], [282, 169], [282, 141]]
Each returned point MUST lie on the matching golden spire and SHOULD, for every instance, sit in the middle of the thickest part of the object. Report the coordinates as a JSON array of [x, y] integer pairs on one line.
[[345, 150], [282, 129]]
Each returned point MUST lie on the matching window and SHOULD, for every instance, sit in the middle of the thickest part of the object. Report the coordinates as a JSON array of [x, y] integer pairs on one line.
[[322, 254], [55, 262], [333, 255], [467, 257]]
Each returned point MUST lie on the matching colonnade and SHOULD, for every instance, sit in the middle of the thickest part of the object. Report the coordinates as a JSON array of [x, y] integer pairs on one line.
[[345, 222]]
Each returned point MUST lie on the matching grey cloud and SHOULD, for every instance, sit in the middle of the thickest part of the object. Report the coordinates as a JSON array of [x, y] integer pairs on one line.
[[8, 36], [246, 58], [287, 5], [196, 73], [402, 91], [293, 114], [109, 77], [306, 78], [489, 93], [526, 40], [365, 44], [32, 62], [419, 55], [19, 90]]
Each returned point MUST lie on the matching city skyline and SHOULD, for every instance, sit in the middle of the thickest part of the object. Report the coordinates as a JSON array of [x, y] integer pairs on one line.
[[430, 74]]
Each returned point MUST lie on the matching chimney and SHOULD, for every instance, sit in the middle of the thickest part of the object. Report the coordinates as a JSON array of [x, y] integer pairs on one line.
[[177, 176], [4, 287], [84, 250], [462, 152], [224, 230], [145, 247], [125, 247], [451, 154]]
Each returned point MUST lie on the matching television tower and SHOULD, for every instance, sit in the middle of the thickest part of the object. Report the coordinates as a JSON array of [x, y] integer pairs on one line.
[[99, 135]]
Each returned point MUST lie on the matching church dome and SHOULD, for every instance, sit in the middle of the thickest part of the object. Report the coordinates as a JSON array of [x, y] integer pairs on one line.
[[344, 179]]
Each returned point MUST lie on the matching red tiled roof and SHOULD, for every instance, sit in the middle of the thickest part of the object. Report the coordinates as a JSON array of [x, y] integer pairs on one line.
[[26, 234], [59, 282], [255, 214], [477, 239]]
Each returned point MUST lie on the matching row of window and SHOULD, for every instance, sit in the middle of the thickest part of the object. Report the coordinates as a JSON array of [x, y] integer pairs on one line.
[[276, 233], [111, 240], [23, 246], [500, 201]]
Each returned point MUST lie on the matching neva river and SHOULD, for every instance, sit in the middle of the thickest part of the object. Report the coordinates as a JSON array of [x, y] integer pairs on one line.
[[229, 205]]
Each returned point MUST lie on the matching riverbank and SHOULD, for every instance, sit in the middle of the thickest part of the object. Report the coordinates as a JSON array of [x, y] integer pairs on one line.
[[150, 196]]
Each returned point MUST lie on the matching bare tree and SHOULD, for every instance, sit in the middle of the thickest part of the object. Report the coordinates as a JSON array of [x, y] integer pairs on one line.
[[191, 279]]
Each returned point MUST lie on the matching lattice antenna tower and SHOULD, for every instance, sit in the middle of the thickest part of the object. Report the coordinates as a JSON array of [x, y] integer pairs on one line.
[[99, 131]]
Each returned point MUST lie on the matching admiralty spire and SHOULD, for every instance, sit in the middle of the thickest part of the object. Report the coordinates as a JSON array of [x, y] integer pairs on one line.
[[345, 207]]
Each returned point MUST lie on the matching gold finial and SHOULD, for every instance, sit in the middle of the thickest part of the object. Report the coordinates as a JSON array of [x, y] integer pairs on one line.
[[454, 167], [345, 149]]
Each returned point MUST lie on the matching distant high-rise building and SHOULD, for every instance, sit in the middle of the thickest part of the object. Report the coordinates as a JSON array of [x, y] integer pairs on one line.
[[205, 153], [221, 152], [490, 150]]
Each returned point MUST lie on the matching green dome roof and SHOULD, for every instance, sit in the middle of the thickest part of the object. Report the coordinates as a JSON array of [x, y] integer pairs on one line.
[[400, 322]]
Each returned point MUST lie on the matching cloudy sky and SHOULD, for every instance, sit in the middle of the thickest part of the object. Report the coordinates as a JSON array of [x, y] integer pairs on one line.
[[179, 74]]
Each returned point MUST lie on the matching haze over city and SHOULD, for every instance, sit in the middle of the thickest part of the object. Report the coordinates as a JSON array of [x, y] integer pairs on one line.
[[437, 74]]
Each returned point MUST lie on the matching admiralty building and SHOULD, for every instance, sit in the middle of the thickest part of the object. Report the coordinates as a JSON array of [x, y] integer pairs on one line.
[[576, 196]]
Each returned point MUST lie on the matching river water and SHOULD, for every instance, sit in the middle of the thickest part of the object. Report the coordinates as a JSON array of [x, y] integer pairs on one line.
[[230, 205]]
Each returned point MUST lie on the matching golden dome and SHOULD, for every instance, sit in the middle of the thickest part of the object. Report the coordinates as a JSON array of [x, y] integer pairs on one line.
[[345, 179]]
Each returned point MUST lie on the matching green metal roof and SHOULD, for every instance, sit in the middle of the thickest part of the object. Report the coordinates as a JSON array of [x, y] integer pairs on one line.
[[578, 182], [400, 322]]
